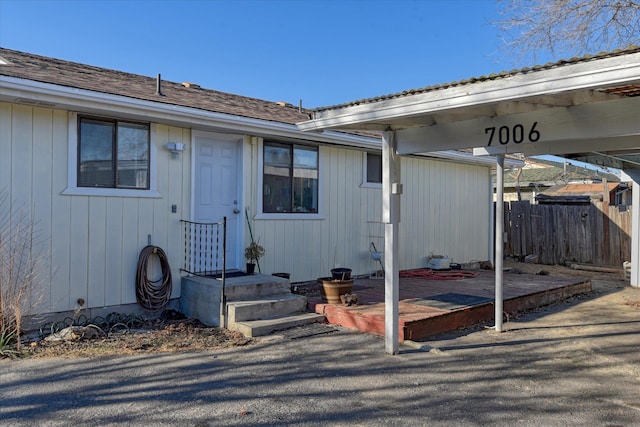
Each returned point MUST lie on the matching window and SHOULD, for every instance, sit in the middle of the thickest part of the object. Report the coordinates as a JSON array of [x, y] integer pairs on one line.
[[113, 154], [373, 168], [290, 178]]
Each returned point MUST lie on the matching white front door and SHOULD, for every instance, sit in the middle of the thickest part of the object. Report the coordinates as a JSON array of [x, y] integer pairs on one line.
[[217, 187]]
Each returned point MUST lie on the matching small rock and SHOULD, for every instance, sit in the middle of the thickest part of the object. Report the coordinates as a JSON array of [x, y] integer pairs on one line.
[[486, 265], [74, 333], [349, 299]]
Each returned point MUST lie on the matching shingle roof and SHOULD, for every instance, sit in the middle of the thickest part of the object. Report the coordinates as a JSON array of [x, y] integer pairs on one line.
[[591, 190], [626, 91], [74, 75]]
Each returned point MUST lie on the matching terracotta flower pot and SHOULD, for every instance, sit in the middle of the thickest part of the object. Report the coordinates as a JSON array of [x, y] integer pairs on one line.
[[332, 289]]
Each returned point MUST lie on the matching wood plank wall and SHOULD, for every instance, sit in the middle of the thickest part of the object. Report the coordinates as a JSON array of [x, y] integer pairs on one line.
[[592, 234]]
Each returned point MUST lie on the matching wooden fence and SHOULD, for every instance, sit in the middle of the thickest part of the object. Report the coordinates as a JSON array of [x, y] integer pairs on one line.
[[592, 234]]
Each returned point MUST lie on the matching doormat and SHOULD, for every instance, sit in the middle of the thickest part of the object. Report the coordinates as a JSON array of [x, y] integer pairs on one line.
[[451, 301]]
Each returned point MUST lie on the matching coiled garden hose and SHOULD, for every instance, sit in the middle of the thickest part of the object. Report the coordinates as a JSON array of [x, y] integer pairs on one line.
[[153, 295]]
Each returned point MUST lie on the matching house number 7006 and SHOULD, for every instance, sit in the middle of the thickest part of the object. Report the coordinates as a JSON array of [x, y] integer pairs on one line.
[[515, 134]]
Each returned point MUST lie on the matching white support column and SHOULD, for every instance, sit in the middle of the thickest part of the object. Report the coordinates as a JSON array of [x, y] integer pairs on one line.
[[391, 191], [492, 225], [499, 221], [634, 174]]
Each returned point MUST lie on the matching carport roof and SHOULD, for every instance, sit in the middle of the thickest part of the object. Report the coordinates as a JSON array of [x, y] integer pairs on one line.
[[576, 104], [632, 90]]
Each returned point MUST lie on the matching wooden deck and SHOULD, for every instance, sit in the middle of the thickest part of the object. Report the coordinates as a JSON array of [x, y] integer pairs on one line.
[[428, 306]]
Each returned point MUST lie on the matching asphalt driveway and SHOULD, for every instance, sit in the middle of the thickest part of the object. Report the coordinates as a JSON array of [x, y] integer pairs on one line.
[[576, 363]]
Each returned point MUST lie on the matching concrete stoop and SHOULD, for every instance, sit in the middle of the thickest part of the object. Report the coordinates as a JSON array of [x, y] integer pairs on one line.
[[256, 305], [260, 316], [261, 327]]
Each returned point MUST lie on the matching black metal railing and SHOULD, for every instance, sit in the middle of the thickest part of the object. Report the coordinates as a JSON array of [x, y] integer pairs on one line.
[[204, 248]]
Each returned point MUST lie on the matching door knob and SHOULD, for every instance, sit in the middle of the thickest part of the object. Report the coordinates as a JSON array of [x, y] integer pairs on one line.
[[236, 211]]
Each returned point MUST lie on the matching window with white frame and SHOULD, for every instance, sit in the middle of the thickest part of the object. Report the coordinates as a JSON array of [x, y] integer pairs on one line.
[[373, 168], [113, 154], [290, 178]]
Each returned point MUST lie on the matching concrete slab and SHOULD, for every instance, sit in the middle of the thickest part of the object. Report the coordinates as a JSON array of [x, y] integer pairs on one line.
[[257, 328], [201, 297], [264, 308]]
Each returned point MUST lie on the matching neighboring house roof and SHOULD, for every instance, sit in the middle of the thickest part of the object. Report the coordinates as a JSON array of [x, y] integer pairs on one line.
[[546, 173], [71, 74], [576, 193]]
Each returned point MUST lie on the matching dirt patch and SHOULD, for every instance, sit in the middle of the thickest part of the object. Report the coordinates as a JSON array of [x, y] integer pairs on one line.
[[308, 289], [515, 266], [156, 336]]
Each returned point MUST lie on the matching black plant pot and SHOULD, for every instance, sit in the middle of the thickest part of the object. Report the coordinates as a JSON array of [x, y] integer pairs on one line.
[[251, 267], [341, 274]]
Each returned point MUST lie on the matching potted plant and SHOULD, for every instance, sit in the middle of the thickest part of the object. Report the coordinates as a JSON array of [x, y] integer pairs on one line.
[[339, 284], [252, 254]]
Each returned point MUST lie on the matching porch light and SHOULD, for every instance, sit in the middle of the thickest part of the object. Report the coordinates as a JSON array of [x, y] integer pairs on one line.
[[175, 147]]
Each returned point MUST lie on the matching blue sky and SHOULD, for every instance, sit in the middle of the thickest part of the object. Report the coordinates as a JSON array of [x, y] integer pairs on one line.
[[321, 52]]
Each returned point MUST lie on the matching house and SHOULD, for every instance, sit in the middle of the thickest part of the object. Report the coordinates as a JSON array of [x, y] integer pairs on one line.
[[106, 163], [613, 193], [537, 175]]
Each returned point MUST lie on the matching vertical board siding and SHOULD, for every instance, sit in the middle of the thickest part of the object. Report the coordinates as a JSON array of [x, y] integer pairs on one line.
[[90, 243], [434, 218], [42, 191], [97, 254], [79, 243], [113, 255], [559, 234], [130, 251], [60, 278]]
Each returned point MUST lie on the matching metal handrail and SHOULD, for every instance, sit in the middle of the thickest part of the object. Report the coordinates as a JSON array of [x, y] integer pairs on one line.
[[204, 252]]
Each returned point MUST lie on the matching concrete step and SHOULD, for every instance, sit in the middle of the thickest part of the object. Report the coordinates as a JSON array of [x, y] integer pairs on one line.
[[255, 286], [264, 308], [257, 328]]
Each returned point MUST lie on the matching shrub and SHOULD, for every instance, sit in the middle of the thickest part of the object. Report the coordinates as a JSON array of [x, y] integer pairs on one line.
[[19, 260]]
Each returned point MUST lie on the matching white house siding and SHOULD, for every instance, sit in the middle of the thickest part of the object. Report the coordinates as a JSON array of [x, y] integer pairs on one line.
[[445, 210], [91, 243]]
